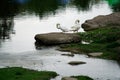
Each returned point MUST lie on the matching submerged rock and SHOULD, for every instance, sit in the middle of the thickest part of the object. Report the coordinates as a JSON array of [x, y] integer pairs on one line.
[[69, 78], [57, 38], [71, 55], [102, 21], [76, 62], [95, 54]]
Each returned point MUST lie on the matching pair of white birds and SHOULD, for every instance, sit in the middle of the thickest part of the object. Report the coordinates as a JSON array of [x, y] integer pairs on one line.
[[74, 28]]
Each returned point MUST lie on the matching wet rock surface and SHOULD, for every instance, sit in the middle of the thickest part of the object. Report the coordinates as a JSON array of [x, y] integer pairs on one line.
[[95, 54], [76, 62], [57, 38], [71, 55], [102, 21], [68, 78]]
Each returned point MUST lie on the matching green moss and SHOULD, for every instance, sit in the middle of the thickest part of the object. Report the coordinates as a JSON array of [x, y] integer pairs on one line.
[[17, 73], [101, 40], [83, 77], [102, 35]]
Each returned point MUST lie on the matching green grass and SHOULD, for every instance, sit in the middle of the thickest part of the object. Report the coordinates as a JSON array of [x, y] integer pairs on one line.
[[102, 35], [101, 40], [17, 73], [84, 48], [83, 77]]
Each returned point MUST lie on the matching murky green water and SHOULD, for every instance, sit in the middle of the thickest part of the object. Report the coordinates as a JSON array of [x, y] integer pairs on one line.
[[21, 20]]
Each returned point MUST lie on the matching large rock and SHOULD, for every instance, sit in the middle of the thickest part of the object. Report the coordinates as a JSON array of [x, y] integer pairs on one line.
[[57, 38], [102, 21]]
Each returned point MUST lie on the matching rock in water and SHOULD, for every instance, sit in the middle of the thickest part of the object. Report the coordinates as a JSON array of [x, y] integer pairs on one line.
[[102, 21], [68, 78], [57, 38], [71, 55], [95, 54], [76, 62]]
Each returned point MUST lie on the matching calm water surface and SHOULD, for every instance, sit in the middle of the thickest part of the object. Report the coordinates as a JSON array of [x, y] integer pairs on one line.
[[21, 20], [27, 23]]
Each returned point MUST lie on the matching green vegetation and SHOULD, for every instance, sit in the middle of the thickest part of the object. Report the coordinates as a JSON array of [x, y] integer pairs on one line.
[[17, 73], [106, 40], [102, 35], [83, 77]]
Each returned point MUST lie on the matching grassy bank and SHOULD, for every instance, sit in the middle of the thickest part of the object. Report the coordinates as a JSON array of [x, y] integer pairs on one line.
[[106, 40], [17, 73]]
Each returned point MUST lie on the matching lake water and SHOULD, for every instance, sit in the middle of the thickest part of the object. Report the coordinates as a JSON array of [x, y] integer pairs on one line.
[[21, 20]]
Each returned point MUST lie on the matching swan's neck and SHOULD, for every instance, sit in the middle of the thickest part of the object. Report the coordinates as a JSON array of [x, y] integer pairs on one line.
[[58, 26], [77, 22]]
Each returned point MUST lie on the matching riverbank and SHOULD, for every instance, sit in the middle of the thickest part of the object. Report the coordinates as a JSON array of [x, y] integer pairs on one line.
[[105, 40], [18, 73]]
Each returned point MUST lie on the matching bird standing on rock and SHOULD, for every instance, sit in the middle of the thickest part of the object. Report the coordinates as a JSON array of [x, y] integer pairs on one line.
[[76, 27], [63, 29]]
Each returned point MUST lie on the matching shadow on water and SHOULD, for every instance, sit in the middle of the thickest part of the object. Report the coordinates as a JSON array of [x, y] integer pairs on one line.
[[40, 46]]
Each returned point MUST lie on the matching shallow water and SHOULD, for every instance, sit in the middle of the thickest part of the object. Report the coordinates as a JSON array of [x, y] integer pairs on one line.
[[17, 44], [52, 60]]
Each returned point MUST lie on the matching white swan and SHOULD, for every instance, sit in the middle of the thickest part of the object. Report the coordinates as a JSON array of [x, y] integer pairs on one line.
[[76, 27], [63, 29]]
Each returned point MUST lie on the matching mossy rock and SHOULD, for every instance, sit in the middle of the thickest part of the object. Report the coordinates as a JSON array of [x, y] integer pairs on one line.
[[82, 77]]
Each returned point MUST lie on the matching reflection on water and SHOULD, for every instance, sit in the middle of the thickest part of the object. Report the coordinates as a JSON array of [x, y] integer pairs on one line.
[[26, 18], [6, 28], [80, 4], [21, 1], [9, 9], [63, 2], [41, 16]]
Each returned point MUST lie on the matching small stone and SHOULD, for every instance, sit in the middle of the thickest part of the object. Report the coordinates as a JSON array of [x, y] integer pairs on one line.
[[96, 54], [76, 62], [71, 55], [68, 78]]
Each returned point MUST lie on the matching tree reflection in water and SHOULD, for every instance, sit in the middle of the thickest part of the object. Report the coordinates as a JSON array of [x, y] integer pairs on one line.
[[6, 28], [42, 8], [21, 1], [8, 10]]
